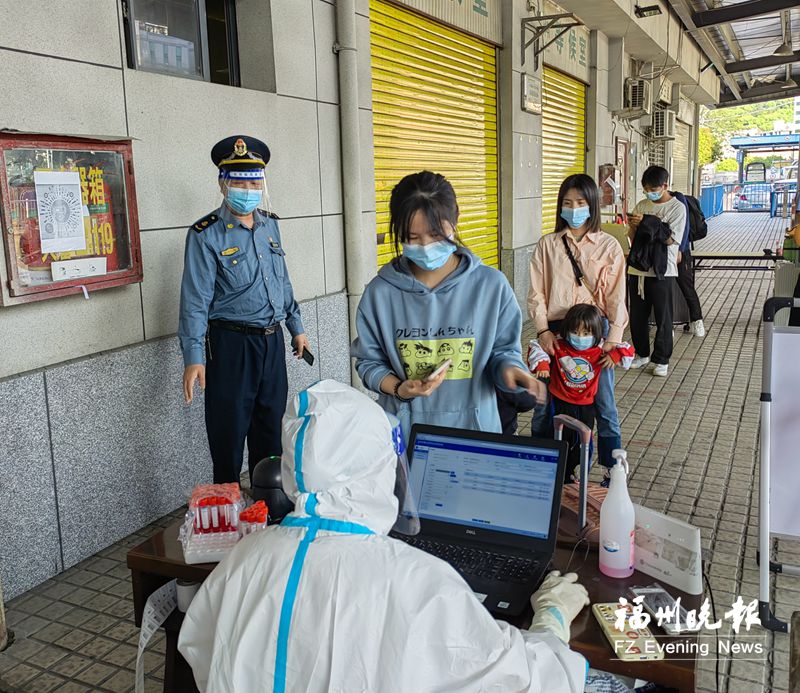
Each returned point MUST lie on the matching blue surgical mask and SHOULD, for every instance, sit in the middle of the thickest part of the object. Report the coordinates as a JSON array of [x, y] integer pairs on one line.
[[431, 256], [580, 343], [654, 196], [242, 200], [575, 216]]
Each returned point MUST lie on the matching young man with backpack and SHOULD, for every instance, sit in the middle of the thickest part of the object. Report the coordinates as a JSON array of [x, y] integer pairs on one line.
[[696, 228], [650, 288]]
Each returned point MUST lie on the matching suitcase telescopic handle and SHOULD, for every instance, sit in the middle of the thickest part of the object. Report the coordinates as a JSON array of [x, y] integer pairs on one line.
[[561, 421]]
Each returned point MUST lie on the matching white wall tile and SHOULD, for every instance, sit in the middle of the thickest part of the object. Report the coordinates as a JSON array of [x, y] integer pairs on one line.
[[330, 155], [333, 246], [527, 165], [302, 241], [293, 173], [293, 39], [527, 221], [59, 96], [162, 256], [73, 29], [68, 327]]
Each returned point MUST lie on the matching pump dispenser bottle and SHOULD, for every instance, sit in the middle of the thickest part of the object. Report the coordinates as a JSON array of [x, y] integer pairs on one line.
[[617, 523]]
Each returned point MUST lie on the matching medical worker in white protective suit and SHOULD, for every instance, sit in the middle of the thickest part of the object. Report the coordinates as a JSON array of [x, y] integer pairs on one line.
[[328, 602]]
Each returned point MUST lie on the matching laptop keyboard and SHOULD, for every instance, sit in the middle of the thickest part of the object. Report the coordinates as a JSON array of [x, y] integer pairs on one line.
[[478, 562]]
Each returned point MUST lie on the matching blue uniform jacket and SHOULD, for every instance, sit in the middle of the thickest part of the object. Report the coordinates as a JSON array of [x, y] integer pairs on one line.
[[236, 274]]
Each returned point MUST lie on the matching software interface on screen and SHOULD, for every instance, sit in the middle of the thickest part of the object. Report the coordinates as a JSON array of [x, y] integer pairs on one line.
[[484, 484]]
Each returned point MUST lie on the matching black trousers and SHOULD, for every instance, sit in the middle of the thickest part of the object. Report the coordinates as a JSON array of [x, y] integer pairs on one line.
[[658, 297], [246, 390], [686, 285], [585, 414], [509, 405]]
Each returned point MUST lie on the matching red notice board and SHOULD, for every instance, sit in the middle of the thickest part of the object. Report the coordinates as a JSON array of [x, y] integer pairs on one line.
[[69, 219]]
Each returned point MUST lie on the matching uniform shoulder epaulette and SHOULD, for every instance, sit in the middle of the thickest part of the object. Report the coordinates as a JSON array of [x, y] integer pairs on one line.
[[205, 222], [269, 214]]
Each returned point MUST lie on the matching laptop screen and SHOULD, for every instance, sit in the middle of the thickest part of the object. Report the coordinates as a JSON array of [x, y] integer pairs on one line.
[[484, 484]]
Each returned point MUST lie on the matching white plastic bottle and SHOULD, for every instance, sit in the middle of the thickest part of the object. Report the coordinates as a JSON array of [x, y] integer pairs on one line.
[[617, 523]]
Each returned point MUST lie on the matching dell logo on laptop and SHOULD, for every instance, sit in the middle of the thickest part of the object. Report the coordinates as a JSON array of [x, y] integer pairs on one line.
[[471, 531]]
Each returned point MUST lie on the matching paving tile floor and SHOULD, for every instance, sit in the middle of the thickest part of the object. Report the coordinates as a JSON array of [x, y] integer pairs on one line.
[[692, 439]]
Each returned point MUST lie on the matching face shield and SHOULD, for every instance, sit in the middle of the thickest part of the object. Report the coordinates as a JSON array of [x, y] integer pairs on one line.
[[245, 190], [407, 514]]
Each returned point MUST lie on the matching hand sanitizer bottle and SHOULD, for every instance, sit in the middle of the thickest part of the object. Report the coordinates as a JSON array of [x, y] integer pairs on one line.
[[617, 523]]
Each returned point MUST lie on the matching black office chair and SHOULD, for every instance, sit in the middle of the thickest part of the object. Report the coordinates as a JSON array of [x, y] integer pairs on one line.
[[267, 486]]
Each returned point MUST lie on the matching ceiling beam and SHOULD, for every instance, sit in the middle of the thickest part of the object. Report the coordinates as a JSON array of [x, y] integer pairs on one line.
[[748, 97], [763, 92], [739, 11], [684, 10], [761, 63]]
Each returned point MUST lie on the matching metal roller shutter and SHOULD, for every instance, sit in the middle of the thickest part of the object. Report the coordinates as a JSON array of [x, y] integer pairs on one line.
[[563, 137], [434, 107], [680, 158]]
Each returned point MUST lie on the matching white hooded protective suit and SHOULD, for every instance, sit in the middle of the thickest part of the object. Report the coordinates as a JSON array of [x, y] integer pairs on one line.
[[328, 602]]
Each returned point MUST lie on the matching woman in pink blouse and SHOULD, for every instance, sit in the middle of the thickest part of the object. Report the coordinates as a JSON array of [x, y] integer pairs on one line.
[[579, 263]]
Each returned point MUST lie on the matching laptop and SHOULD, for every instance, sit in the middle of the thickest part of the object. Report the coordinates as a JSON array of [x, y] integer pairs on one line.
[[488, 504]]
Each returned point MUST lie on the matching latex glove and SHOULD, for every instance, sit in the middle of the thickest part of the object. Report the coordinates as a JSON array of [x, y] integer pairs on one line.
[[557, 602]]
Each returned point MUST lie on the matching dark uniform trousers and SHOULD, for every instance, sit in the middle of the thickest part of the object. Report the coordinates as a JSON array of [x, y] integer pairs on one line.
[[686, 285], [245, 397]]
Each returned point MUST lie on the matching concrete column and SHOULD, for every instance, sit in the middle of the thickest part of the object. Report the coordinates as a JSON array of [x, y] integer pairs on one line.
[[520, 156]]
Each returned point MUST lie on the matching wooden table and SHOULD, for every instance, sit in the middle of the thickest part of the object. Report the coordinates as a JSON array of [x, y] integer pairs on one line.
[[160, 559]]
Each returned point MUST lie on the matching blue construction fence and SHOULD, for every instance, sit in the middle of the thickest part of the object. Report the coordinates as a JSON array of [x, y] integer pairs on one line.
[[712, 200]]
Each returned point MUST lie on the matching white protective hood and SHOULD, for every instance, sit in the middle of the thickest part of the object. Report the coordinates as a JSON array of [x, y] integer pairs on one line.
[[328, 602], [337, 444]]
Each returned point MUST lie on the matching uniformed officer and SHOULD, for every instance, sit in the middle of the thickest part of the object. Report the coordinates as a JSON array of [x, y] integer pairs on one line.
[[234, 295]]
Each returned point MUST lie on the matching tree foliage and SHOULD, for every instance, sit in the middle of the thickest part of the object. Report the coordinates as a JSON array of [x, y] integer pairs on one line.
[[709, 148], [725, 122]]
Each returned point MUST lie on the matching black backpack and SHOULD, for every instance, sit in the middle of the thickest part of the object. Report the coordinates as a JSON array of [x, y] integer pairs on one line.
[[698, 228]]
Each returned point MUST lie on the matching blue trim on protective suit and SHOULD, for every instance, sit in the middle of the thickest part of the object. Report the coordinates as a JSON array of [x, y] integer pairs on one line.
[[298, 450], [326, 525], [279, 681], [313, 524]]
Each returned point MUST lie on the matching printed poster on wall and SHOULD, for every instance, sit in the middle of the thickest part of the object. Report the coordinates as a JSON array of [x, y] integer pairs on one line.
[[60, 211]]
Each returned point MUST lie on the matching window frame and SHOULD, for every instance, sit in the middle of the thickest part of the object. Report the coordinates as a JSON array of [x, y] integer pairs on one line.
[[129, 17], [19, 293]]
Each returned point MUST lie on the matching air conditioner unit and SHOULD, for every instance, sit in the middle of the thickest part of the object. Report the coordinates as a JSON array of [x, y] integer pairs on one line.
[[664, 125], [665, 93], [638, 99]]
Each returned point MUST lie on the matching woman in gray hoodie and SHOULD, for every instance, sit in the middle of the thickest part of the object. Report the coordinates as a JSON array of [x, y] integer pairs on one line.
[[437, 301]]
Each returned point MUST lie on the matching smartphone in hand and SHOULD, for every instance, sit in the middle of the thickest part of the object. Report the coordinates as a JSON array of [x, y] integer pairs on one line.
[[308, 357], [441, 368]]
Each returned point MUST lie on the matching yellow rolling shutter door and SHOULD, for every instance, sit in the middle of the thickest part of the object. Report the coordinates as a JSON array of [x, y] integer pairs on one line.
[[434, 104], [563, 137]]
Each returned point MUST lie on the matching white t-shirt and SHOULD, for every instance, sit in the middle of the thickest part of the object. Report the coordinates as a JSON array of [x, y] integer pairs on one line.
[[673, 213]]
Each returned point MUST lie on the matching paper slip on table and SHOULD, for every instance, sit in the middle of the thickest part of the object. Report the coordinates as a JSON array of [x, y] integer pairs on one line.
[[159, 559]]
